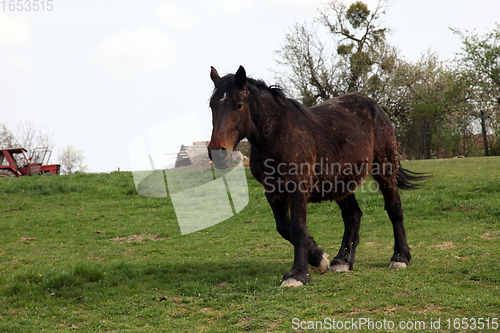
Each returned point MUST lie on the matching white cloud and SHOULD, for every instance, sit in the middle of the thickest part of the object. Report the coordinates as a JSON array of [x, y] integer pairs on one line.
[[23, 63], [131, 53], [14, 32], [174, 17], [300, 5], [310, 6], [233, 6]]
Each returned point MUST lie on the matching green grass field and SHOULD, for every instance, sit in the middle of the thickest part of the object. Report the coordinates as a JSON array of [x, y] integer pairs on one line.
[[86, 253]]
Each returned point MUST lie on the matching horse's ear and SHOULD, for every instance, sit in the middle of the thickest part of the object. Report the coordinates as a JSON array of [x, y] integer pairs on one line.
[[241, 77], [214, 75]]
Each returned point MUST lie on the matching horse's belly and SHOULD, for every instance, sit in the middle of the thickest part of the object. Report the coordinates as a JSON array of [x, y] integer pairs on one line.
[[334, 188]]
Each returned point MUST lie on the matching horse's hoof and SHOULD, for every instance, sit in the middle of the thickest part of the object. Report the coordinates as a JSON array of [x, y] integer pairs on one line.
[[339, 268], [397, 265], [324, 265], [291, 283]]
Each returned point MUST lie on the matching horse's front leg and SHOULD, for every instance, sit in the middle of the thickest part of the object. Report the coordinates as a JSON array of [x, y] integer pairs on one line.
[[317, 257], [299, 274]]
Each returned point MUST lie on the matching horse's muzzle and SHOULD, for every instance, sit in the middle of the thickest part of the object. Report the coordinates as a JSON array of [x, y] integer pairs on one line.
[[220, 157]]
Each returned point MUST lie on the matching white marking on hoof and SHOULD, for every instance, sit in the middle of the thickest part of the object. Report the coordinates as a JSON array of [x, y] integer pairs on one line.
[[324, 265], [397, 265], [291, 283], [339, 268]]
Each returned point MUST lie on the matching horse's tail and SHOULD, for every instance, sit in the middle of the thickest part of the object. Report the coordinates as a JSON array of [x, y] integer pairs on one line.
[[408, 180]]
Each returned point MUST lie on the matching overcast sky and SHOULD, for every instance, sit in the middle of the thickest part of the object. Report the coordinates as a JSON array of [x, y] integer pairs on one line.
[[99, 74]]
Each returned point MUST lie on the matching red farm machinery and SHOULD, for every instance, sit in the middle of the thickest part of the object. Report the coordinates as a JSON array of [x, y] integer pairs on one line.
[[15, 163]]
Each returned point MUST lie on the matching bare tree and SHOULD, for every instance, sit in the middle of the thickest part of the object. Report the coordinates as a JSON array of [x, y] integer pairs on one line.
[[7, 137], [26, 136], [31, 137], [310, 71]]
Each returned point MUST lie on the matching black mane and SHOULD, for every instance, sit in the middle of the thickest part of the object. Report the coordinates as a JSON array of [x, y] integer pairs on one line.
[[227, 85]]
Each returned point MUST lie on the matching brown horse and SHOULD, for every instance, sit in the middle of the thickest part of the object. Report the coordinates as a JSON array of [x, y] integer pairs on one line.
[[302, 155]]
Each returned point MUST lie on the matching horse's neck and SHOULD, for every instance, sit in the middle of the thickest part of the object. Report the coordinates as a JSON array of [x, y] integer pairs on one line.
[[267, 117]]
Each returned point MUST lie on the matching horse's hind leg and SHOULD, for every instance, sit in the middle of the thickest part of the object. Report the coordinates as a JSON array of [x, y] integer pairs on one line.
[[402, 256], [351, 214]]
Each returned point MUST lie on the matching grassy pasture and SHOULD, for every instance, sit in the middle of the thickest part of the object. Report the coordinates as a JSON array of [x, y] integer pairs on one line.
[[86, 253]]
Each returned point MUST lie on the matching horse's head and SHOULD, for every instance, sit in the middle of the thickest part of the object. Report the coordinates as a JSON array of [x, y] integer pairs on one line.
[[230, 115]]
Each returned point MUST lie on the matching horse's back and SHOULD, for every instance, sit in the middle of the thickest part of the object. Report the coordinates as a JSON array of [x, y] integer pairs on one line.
[[354, 114], [355, 104], [358, 129], [347, 123]]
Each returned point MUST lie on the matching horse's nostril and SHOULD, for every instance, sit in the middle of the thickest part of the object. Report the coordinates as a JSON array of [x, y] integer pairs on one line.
[[222, 152]]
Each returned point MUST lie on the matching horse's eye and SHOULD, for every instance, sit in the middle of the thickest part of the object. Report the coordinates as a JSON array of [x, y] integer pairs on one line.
[[239, 106]]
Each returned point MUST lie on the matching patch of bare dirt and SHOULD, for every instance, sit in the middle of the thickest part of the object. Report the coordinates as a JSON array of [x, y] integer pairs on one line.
[[490, 234], [245, 320], [13, 210], [429, 308], [273, 325], [390, 309], [137, 238], [220, 285], [460, 209], [23, 239], [359, 311], [446, 246], [173, 299]]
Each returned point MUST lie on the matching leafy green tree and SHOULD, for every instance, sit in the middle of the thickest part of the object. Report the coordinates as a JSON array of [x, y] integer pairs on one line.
[[431, 104], [360, 37], [314, 73], [479, 60]]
